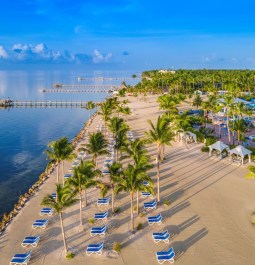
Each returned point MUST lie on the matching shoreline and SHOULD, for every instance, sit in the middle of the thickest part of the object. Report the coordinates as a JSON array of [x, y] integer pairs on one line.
[[7, 218]]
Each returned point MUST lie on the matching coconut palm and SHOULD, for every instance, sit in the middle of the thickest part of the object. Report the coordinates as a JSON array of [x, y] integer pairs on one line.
[[82, 179], [106, 110], [228, 104], [90, 105], [132, 180], [97, 145], [113, 178], [119, 128], [197, 101], [239, 127], [137, 152], [65, 199], [58, 150], [161, 135]]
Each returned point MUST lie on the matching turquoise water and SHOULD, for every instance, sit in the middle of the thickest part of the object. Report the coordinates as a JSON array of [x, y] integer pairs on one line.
[[25, 132]]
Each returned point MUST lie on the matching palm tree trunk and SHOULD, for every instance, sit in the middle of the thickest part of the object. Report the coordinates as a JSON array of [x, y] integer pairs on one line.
[[63, 171], [132, 213], [117, 155], [80, 209], [58, 172], [158, 156], [63, 232], [85, 198], [228, 130], [238, 136], [89, 114], [112, 199], [137, 202]]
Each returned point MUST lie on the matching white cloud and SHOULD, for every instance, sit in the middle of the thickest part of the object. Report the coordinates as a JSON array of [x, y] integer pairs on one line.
[[3, 53], [40, 53], [100, 58]]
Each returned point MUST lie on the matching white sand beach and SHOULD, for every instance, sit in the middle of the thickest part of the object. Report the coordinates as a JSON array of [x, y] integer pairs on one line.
[[208, 218]]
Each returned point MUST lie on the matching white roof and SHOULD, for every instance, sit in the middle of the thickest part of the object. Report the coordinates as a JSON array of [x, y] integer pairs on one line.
[[240, 150], [220, 146]]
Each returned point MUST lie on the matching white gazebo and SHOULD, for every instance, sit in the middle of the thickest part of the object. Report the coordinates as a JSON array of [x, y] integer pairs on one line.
[[242, 152], [187, 136], [219, 146]]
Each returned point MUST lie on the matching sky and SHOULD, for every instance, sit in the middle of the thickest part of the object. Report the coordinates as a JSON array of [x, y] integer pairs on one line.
[[131, 34]]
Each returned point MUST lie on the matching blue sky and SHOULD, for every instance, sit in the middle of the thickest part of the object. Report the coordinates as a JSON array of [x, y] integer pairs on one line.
[[129, 33]]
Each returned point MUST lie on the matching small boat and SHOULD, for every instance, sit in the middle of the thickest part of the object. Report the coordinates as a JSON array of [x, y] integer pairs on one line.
[[57, 85]]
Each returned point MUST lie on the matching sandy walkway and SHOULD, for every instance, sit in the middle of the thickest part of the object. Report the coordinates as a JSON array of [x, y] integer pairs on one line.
[[208, 217]]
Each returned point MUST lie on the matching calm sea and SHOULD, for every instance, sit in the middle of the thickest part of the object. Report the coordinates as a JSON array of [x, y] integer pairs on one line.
[[25, 132]]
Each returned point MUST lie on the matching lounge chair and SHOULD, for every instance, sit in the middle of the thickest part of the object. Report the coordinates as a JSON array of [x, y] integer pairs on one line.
[[150, 205], [164, 236], [165, 253], [67, 176], [40, 224], [21, 259], [101, 216], [163, 256], [155, 219], [103, 201], [106, 171], [54, 195], [95, 248], [146, 194], [98, 231], [30, 241], [74, 164], [46, 211], [146, 183]]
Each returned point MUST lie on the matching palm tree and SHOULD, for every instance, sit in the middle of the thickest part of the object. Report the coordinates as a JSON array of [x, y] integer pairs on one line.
[[65, 199], [119, 128], [82, 179], [132, 180], [228, 104], [161, 135], [114, 177], [97, 145], [239, 127], [68, 153], [58, 151], [136, 150], [182, 125], [197, 101], [106, 109], [90, 105]]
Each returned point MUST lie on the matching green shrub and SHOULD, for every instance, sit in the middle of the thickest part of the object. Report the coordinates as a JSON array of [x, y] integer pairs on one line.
[[210, 140], [200, 136], [70, 255], [135, 208], [142, 214], [116, 247], [139, 227], [117, 210], [91, 220], [205, 149], [166, 202]]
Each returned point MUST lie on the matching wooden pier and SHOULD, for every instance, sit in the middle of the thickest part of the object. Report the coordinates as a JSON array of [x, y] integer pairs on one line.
[[49, 104], [59, 90], [106, 78], [73, 86]]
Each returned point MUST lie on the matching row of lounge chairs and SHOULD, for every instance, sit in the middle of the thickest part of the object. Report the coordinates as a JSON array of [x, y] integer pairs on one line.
[[164, 236], [32, 241]]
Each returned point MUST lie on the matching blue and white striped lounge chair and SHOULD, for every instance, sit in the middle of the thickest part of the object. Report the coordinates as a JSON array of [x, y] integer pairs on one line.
[[146, 183], [101, 216], [155, 219], [21, 259], [67, 176], [54, 195], [98, 231], [70, 169], [146, 194], [150, 205], [106, 171], [163, 256], [40, 224], [164, 236], [103, 201], [46, 211], [30, 241], [75, 163], [95, 248]]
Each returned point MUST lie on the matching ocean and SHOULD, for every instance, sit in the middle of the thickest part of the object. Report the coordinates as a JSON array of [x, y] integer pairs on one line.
[[25, 132]]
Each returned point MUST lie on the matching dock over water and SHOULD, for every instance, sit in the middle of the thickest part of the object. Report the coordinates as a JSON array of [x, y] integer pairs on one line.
[[46, 104]]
